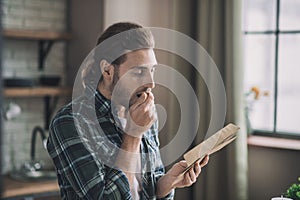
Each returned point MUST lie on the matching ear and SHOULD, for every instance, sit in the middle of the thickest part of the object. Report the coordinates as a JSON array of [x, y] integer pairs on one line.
[[107, 70]]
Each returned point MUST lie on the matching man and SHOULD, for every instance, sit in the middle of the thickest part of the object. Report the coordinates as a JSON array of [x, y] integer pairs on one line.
[[104, 144]]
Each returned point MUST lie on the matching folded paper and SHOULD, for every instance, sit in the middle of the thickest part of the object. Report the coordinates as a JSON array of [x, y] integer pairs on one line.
[[212, 144]]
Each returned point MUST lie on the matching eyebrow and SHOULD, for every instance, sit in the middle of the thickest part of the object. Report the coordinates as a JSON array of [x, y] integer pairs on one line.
[[143, 67]]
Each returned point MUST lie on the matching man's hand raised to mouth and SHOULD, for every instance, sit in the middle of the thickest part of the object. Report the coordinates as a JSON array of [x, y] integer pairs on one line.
[[140, 118], [141, 115]]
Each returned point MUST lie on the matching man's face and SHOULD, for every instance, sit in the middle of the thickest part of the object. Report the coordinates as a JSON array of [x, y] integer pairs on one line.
[[134, 76]]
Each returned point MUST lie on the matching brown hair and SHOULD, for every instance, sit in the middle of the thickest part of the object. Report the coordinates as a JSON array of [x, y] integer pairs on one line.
[[133, 37]]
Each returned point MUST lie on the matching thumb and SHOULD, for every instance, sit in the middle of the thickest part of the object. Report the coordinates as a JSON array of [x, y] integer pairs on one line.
[[183, 164], [140, 100]]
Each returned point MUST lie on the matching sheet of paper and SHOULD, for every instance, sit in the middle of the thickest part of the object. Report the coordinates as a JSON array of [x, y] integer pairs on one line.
[[212, 144]]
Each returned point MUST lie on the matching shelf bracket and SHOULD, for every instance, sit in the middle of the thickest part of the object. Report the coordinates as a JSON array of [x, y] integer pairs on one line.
[[49, 108], [44, 48]]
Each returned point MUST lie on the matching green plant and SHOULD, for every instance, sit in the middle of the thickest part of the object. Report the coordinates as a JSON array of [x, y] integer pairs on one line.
[[293, 191]]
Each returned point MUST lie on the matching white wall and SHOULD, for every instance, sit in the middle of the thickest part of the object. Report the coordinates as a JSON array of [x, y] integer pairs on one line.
[[156, 13]]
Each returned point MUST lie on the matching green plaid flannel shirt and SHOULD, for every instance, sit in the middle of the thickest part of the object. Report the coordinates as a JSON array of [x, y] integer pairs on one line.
[[78, 146]]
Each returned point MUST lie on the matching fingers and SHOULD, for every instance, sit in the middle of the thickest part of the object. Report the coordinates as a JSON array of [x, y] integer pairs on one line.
[[140, 100], [204, 161], [197, 169], [141, 114], [192, 175], [149, 101], [145, 107], [183, 164], [145, 101]]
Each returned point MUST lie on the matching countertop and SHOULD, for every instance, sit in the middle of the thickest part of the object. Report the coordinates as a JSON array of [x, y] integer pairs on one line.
[[13, 187]]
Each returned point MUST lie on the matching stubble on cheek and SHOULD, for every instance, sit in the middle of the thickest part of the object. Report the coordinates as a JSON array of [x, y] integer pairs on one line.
[[126, 92]]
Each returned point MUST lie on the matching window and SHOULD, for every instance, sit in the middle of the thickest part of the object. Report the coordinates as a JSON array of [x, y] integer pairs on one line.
[[272, 63]]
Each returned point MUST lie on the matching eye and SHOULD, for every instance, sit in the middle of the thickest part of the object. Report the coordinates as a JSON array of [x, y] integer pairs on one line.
[[138, 72]]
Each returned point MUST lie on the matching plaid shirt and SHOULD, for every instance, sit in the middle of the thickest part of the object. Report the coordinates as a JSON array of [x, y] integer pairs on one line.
[[82, 137]]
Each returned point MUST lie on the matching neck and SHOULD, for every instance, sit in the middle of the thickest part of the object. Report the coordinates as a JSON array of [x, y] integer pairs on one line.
[[104, 90]]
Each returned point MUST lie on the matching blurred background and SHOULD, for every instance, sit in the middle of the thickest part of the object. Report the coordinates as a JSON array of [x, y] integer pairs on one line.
[[254, 44]]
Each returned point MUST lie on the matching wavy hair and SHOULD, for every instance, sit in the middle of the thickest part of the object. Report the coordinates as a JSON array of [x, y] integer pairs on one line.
[[117, 40]]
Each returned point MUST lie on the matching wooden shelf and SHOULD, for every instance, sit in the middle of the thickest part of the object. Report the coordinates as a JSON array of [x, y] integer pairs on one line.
[[17, 188], [37, 92], [45, 40], [35, 35]]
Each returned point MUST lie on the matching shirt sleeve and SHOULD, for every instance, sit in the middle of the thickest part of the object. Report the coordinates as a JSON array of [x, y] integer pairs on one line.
[[78, 168], [159, 173]]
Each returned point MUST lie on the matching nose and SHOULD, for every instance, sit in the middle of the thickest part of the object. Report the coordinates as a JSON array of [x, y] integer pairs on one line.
[[149, 82]]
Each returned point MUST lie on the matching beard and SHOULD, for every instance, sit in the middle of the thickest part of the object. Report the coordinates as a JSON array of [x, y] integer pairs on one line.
[[126, 96], [123, 95]]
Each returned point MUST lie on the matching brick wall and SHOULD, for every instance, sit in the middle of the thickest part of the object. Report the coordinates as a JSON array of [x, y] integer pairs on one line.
[[20, 60], [34, 14]]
